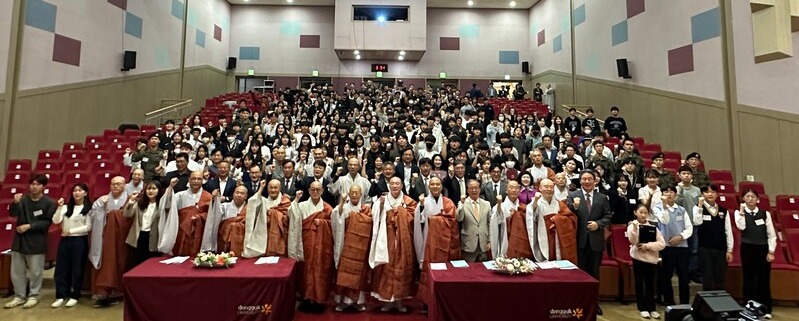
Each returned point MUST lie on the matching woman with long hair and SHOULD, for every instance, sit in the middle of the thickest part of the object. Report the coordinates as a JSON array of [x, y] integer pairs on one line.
[[143, 235], [73, 249]]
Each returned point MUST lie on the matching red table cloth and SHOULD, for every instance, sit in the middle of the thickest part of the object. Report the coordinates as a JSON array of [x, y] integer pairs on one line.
[[476, 293], [169, 292]]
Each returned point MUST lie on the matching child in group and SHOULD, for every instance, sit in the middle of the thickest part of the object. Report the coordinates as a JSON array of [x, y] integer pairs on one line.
[[675, 224], [73, 249], [645, 260], [715, 238]]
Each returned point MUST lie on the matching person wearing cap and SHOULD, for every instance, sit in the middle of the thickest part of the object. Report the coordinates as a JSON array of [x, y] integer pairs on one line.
[[699, 175], [615, 125], [666, 177]]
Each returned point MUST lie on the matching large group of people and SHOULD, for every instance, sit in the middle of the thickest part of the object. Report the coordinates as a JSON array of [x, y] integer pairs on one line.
[[367, 185]]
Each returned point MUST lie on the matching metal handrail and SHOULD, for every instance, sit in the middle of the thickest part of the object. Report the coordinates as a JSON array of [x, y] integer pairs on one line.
[[580, 113], [171, 108]]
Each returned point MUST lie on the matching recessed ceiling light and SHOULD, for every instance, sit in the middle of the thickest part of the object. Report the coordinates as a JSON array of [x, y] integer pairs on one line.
[[357, 52], [289, 1], [381, 19], [513, 3], [401, 58], [402, 53], [246, 0], [470, 3], [357, 57]]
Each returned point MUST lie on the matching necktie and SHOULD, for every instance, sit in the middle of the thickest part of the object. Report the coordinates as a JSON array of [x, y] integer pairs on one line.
[[288, 182], [496, 189], [462, 187], [588, 201], [476, 210]]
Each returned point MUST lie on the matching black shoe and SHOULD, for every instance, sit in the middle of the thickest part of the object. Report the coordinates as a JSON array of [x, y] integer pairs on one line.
[[598, 310], [305, 306], [101, 303], [317, 308], [424, 309]]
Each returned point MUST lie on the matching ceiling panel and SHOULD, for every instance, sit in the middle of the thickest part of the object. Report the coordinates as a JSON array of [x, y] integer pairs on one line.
[[483, 4]]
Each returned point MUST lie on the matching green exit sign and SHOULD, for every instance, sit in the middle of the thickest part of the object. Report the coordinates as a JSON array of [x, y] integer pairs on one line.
[[379, 74], [315, 73], [251, 72], [442, 75]]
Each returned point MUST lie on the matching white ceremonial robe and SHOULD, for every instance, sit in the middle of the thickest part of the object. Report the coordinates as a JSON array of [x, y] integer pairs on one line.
[[498, 230], [297, 213]]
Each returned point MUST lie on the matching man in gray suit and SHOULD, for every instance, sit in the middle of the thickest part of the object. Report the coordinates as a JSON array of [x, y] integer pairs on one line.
[[593, 217], [496, 186], [474, 212], [288, 183]]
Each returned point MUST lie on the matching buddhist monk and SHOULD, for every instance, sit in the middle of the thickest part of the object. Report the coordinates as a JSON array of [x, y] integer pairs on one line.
[[184, 224], [267, 227], [352, 234], [391, 254], [436, 236], [224, 229], [109, 252], [555, 226], [508, 226], [311, 243]]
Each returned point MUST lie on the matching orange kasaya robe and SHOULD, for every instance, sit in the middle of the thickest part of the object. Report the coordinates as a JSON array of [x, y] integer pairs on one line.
[[317, 247], [231, 233], [565, 224], [518, 240], [108, 279], [395, 278], [353, 268], [192, 224], [277, 225], [443, 244]]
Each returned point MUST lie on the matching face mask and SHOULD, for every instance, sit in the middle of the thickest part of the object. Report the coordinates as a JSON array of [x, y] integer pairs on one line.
[[429, 145], [501, 119], [206, 140], [176, 150], [373, 131], [510, 164], [231, 139], [587, 131]]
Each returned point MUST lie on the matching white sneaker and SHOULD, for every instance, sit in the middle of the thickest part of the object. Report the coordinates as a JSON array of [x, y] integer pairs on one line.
[[767, 316], [71, 303], [645, 314], [57, 303], [654, 315], [14, 303], [32, 301]]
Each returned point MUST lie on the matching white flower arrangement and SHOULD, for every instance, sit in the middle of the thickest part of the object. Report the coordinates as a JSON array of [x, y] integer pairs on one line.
[[514, 265], [210, 259]]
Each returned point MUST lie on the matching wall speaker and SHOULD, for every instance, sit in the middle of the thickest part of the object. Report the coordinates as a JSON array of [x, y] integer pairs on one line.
[[129, 60], [526, 67], [231, 63], [621, 66]]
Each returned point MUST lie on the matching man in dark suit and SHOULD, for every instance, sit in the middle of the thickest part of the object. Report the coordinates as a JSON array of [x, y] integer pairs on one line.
[[219, 130], [304, 184], [593, 217], [252, 183], [456, 186], [380, 185], [223, 182], [289, 180], [165, 135], [550, 153], [420, 182], [490, 188], [230, 145], [406, 168]]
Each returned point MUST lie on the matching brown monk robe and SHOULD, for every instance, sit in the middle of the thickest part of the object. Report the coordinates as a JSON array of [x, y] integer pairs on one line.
[[185, 223], [311, 242], [109, 252], [391, 255], [562, 226], [436, 235], [518, 237], [231, 230], [508, 227], [266, 226], [556, 226], [352, 234]]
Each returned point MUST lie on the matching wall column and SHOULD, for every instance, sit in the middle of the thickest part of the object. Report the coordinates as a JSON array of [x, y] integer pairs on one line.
[[12, 80]]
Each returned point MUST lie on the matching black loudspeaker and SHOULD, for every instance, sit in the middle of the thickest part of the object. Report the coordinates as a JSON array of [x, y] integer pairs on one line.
[[681, 312], [526, 67], [231, 63], [129, 60], [624, 71], [715, 306]]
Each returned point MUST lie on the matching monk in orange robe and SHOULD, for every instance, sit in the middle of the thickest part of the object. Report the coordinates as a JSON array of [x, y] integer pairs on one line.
[[508, 227], [435, 233], [391, 254], [556, 226], [229, 219], [264, 230], [183, 227], [352, 234], [109, 252], [311, 242]]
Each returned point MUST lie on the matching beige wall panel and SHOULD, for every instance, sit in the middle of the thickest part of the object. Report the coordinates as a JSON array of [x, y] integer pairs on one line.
[[46, 118], [562, 82], [789, 154], [758, 157]]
